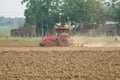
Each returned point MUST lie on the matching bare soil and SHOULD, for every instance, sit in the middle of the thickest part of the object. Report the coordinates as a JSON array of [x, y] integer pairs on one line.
[[19, 61]]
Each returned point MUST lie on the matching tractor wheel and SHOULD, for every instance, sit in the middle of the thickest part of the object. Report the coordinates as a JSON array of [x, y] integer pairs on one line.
[[56, 43], [41, 44], [63, 42], [48, 44]]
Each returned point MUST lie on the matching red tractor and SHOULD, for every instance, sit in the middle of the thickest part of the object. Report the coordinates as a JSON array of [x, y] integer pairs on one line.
[[61, 38]]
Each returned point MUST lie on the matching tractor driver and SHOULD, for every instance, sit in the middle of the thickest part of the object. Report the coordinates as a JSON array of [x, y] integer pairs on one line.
[[64, 33]]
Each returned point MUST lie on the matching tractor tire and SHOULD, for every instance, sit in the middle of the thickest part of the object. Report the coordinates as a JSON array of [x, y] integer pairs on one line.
[[48, 44], [64, 42], [41, 44]]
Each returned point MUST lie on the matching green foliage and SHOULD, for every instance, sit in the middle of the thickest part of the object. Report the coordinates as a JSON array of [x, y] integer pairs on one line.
[[80, 11], [111, 6], [117, 15], [44, 14], [117, 19], [74, 11]]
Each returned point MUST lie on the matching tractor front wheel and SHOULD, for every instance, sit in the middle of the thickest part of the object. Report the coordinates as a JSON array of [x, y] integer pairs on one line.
[[63, 42], [48, 44]]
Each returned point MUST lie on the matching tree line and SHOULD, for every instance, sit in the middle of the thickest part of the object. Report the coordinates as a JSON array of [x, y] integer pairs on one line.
[[11, 22], [45, 14]]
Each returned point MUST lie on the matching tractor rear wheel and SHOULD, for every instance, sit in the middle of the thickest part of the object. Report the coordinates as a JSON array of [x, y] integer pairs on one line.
[[63, 42], [48, 44]]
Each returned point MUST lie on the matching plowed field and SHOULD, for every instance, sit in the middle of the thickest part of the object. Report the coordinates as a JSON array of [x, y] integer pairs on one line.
[[59, 63]]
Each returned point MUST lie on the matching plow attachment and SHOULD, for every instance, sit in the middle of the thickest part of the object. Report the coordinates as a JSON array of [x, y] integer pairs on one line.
[[77, 43]]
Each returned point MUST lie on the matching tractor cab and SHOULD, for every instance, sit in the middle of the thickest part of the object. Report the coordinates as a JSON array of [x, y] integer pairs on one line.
[[62, 31]]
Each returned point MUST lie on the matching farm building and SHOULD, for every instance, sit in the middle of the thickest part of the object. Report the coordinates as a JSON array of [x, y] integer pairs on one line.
[[23, 32], [108, 29]]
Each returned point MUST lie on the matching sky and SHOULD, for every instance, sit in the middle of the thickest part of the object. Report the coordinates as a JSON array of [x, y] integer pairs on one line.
[[11, 8]]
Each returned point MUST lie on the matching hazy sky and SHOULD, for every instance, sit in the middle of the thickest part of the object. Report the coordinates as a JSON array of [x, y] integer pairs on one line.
[[11, 8]]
